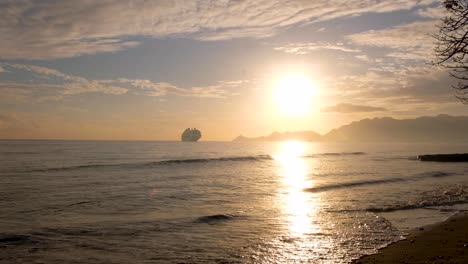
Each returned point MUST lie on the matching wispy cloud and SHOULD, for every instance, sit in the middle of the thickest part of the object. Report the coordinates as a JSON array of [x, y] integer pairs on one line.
[[432, 12], [352, 108], [44, 29], [44, 72], [47, 79], [151, 88], [409, 41], [398, 87], [306, 48], [362, 57], [50, 84]]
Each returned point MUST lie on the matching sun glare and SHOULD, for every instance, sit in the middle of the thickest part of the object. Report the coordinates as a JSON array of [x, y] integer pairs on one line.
[[297, 204], [294, 94]]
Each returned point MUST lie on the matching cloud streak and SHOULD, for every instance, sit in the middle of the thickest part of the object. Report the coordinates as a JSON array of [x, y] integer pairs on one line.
[[52, 84], [432, 12], [59, 29], [306, 48], [410, 41], [398, 88]]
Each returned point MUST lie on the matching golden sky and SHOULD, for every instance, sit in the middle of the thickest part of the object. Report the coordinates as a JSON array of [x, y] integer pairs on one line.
[[148, 70]]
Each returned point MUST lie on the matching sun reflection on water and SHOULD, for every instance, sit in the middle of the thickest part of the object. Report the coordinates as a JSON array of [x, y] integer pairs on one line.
[[299, 209]]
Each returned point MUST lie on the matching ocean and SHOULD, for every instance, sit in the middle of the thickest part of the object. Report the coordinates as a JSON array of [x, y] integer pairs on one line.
[[218, 202]]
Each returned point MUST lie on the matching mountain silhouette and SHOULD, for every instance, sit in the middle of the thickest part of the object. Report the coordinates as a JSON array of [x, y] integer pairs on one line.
[[276, 136], [441, 128]]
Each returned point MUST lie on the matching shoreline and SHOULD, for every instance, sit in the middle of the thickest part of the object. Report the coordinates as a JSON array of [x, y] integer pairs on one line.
[[443, 242]]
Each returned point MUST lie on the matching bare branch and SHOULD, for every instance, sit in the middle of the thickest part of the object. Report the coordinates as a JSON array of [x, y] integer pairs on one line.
[[452, 45]]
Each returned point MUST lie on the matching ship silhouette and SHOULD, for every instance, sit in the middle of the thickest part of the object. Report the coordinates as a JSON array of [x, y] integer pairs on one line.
[[191, 135]]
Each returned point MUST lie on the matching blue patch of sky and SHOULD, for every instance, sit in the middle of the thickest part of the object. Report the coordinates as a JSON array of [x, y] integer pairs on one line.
[[337, 29], [180, 61]]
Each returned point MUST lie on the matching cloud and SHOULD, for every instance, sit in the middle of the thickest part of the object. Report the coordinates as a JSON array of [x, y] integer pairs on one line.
[[306, 48], [397, 87], [58, 29], [362, 57], [432, 12], [152, 88], [46, 79], [44, 72], [50, 84], [360, 85], [352, 108], [410, 41]]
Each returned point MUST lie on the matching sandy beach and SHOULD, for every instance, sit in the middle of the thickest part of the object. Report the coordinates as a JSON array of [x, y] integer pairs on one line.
[[445, 242]]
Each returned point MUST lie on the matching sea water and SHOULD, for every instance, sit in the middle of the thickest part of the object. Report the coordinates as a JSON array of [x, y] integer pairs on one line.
[[217, 202]]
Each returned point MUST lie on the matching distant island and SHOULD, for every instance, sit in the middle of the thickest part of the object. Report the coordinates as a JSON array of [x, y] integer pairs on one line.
[[441, 128], [190, 135]]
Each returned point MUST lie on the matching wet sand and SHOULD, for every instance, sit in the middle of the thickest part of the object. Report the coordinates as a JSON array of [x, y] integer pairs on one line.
[[445, 242]]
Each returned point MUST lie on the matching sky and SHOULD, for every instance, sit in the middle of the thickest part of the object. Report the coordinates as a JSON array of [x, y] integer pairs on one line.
[[146, 70]]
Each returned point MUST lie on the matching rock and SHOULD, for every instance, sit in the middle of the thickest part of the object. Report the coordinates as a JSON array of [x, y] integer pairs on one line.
[[458, 157]]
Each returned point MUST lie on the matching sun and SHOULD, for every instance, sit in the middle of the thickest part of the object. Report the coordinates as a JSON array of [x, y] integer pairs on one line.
[[294, 94]]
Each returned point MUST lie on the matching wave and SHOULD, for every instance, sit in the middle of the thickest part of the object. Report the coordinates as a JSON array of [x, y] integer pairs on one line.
[[240, 158], [17, 240], [187, 161], [393, 158], [212, 219], [433, 174], [430, 200], [334, 154], [156, 163], [351, 184], [18, 152], [415, 206], [435, 198]]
